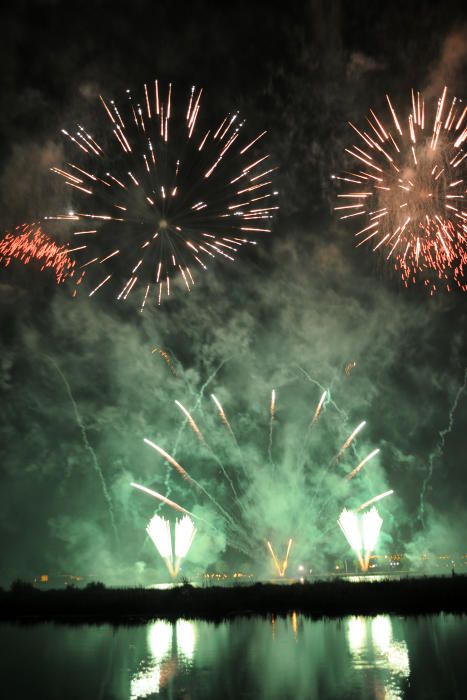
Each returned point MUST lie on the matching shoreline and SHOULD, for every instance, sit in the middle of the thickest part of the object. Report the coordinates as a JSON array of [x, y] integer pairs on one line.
[[329, 599]]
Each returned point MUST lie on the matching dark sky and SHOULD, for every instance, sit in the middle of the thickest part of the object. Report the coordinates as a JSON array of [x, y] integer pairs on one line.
[[79, 385]]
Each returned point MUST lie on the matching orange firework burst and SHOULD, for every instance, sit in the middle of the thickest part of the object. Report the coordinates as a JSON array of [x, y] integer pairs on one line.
[[29, 243], [407, 190], [165, 193]]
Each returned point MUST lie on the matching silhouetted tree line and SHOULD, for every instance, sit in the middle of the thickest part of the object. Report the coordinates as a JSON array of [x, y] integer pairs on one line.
[[335, 598]]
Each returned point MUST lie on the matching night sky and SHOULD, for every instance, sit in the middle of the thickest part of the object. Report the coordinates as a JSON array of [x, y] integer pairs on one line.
[[80, 386]]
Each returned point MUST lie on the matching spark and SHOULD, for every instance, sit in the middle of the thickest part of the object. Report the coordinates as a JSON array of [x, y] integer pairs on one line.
[[161, 498], [351, 438], [169, 459], [355, 471], [191, 421], [166, 357], [375, 499], [411, 191], [319, 407]]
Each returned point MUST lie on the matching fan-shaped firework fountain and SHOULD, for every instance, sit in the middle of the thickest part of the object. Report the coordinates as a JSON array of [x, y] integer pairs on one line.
[[158, 530], [361, 532], [406, 190], [166, 195], [261, 501]]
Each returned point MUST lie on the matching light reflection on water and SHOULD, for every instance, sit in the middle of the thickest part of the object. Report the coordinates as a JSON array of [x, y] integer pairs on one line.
[[169, 645], [356, 658], [376, 653]]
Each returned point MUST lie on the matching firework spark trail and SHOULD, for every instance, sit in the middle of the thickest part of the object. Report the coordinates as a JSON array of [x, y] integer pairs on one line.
[[350, 440], [30, 243], [166, 357], [317, 412], [226, 515], [192, 423], [243, 542], [205, 444], [281, 567], [360, 466], [407, 190], [272, 414], [226, 422], [328, 401], [375, 499], [171, 504], [89, 448], [172, 215], [274, 558], [168, 458], [239, 532], [181, 429], [162, 498], [316, 415], [439, 449]]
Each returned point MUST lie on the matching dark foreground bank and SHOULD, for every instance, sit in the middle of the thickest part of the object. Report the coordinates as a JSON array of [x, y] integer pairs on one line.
[[96, 603]]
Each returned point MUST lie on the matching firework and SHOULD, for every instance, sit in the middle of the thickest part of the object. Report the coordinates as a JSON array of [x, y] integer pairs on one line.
[[349, 524], [355, 471], [406, 190], [371, 526], [361, 532], [375, 499], [158, 530], [29, 244], [161, 498], [166, 357], [258, 498], [185, 532], [351, 438], [349, 367], [166, 195], [281, 567]]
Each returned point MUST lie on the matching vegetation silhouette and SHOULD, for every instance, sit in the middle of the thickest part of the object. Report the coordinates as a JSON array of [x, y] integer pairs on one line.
[[330, 598]]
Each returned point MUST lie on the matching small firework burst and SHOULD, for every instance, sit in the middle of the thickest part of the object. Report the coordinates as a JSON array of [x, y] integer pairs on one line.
[[406, 190], [28, 243], [166, 194]]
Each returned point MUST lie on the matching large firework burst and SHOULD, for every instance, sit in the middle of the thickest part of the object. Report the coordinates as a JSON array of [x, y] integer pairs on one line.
[[167, 193], [406, 190]]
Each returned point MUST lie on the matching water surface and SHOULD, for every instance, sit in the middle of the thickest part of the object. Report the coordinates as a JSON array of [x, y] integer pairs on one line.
[[383, 657]]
